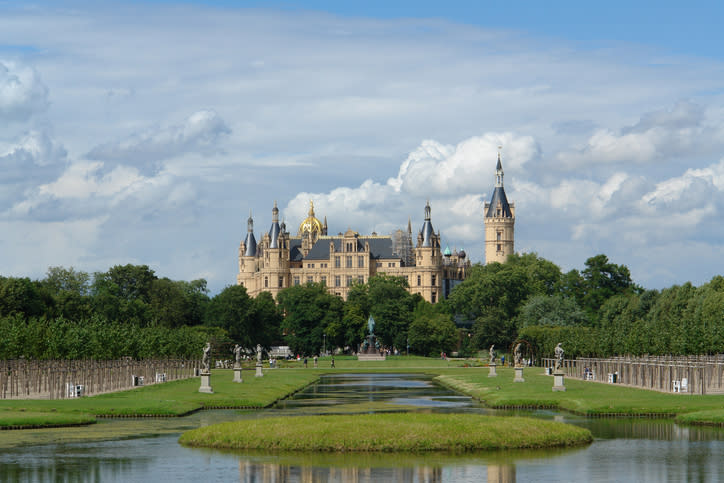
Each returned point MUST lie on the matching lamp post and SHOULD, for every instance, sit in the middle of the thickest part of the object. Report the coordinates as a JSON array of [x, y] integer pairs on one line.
[[324, 344]]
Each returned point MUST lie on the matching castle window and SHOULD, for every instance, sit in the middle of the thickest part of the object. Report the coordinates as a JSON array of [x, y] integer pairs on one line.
[[349, 280], [360, 262], [498, 236], [419, 280], [349, 262], [296, 280], [266, 282], [337, 262], [361, 279], [337, 281], [434, 279], [281, 282], [310, 279], [349, 247], [500, 247], [323, 279], [379, 264], [433, 297]]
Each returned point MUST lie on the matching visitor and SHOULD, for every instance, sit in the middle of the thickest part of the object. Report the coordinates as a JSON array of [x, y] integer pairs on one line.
[[305, 362], [332, 362], [315, 361], [502, 360]]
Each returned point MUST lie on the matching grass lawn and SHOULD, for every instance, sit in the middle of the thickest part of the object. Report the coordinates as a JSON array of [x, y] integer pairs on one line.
[[181, 397], [10, 419], [582, 397], [176, 398], [388, 432]]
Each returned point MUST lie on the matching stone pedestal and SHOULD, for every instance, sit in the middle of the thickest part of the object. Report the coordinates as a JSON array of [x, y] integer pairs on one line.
[[258, 370], [558, 384], [518, 375], [206, 383], [492, 372], [237, 374]]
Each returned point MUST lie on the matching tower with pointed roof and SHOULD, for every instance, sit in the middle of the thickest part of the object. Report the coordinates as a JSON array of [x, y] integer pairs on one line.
[[499, 222]]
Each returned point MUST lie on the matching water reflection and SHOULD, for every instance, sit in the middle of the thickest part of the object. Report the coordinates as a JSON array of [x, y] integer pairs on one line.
[[636, 450]]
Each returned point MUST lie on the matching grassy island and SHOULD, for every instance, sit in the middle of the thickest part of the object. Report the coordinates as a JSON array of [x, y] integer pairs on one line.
[[388, 432]]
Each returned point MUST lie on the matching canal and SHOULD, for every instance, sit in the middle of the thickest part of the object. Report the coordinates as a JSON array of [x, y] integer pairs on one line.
[[147, 449]]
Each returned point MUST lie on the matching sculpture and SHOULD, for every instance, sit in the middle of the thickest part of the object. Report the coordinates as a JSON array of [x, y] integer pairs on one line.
[[371, 325], [559, 357], [492, 354], [258, 353], [205, 364], [518, 355], [237, 355]]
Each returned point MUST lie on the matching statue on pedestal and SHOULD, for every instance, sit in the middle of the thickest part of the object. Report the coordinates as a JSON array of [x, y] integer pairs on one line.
[[492, 354], [258, 353], [559, 357]]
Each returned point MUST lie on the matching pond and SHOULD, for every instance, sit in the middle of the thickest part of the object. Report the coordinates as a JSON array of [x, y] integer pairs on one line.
[[623, 450]]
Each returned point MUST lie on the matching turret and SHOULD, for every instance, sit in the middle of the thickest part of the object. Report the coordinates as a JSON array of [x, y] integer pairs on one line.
[[499, 220]]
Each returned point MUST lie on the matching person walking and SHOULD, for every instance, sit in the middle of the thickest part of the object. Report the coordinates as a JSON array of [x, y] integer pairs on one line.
[[332, 362]]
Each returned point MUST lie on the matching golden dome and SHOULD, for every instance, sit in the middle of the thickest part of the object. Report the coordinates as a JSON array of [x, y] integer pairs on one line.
[[310, 224]]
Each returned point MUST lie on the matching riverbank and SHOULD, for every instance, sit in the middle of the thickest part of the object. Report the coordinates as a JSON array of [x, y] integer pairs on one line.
[[581, 397], [388, 432]]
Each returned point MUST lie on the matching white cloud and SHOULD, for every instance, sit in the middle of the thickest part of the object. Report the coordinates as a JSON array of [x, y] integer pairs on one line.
[[658, 136], [22, 93], [368, 117], [199, 133]]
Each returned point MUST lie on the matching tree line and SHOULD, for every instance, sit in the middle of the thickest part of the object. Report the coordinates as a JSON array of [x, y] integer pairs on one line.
[[129, 311]]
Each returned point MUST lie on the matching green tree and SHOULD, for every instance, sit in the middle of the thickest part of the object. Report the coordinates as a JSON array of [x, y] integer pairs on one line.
[[554, 310], [231, 310], [603, 280], [431, 332], [309, 309]]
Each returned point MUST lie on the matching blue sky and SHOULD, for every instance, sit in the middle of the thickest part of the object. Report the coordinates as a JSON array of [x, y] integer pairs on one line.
[[145, 132]]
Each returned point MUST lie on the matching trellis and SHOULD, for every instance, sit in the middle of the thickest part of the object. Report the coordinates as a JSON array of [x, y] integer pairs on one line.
[[26, 379], [701, 374]]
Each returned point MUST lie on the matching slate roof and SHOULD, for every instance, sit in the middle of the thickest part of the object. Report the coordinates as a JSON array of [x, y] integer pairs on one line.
[[250, 243], [380, 247], [499, 197]]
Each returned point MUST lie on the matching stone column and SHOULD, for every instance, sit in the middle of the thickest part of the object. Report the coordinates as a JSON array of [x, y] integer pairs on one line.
[[237, 373], [558, 384], [259, 373], [492, 372]]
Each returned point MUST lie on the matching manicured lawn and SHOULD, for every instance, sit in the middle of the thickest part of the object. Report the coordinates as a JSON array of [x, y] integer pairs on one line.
[[178, 397], [388, 432], [583, 397], [10, 419]]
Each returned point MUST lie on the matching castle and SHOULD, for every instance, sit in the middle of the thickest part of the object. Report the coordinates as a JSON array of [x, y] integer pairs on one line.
[[280, 260]]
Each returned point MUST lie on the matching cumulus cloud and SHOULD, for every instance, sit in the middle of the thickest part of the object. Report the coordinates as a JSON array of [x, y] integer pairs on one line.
[[32, 159], [22, 93], [201, 132], [452, 177], [659, 135]]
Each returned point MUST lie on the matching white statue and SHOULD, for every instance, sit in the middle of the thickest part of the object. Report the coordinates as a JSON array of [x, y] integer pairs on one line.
[[205, 364], [559, 357]]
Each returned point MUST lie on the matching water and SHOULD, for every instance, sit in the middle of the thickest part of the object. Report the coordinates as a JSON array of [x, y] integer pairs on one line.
[[624, 450]]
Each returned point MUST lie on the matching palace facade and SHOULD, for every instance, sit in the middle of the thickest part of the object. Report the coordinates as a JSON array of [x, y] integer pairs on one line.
[[281, 260]]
